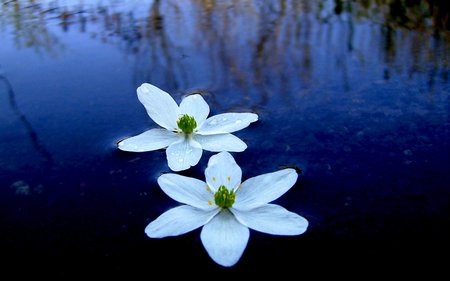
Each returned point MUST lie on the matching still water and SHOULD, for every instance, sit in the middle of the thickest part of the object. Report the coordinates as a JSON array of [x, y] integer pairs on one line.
[[354, 94]]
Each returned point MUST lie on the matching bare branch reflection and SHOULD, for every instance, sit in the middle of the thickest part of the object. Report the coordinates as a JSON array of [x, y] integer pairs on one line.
[[29, 23], [33, 136], [249, 49]]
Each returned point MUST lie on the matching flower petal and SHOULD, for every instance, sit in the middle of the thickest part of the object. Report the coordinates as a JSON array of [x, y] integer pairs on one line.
[[195, 106], [222, 142], [179, 220], [147, 141], [224, 238], [272, 219], [223, 170], [226, 123], [263, 189], [187, 190], [160, 106], [183, 154]]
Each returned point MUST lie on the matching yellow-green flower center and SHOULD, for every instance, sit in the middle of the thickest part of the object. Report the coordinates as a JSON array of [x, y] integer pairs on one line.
[[187, 124], [224, 198]]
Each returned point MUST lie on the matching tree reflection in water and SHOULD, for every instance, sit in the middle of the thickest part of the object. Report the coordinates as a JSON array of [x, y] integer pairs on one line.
[[248, 44]]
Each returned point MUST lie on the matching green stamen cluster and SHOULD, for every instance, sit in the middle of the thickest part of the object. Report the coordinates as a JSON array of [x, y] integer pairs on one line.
[[187, 124], [224, 198]]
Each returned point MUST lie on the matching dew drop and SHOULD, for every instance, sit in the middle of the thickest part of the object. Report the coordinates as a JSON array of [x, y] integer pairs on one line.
[[180, 160], [238, 121], [224, 119]]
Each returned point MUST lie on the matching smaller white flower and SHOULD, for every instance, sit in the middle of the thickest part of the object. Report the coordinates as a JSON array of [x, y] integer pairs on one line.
[[226, 208], [186, 131]]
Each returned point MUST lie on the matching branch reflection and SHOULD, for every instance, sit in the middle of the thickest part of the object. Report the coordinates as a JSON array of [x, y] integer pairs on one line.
[[33, 136], [249, 48]]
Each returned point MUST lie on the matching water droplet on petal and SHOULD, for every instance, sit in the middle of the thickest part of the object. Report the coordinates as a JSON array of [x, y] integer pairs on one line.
[[238, 121], [180, 160], [224, 119]]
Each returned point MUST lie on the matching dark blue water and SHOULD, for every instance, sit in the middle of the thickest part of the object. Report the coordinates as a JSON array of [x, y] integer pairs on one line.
[[355, 95]]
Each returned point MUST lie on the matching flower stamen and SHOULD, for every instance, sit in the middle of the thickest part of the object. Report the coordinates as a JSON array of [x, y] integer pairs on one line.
[[224, 198], [187, 124]]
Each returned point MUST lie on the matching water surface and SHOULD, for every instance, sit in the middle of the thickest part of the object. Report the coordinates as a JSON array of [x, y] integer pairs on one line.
[[354, 94]]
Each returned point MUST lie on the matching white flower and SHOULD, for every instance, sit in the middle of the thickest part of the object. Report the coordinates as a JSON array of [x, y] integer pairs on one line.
[[186, 131], [226, 208]]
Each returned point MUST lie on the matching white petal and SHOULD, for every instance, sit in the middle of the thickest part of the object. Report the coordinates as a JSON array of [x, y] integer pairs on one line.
[[225, 239], [187, 190], [195, 106], [226, 123], [263, 189], [223, 170], [179, 220], [160, 106], [183, 154], [222, 142], [147, 141], [272, 219]]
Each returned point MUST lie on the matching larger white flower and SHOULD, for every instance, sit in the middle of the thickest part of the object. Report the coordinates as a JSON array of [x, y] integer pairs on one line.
[[185, 130], [226, 208]]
